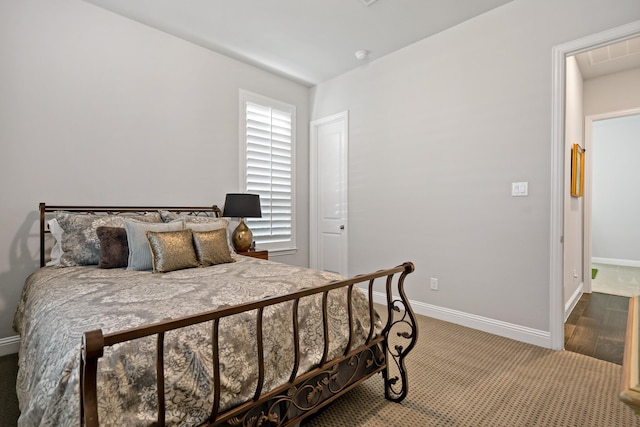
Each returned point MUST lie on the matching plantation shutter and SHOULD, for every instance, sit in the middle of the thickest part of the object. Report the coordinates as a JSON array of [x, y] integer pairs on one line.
[[269, 173]]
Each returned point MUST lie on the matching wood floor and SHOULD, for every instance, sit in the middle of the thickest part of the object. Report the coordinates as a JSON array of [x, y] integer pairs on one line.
[[596, 327]]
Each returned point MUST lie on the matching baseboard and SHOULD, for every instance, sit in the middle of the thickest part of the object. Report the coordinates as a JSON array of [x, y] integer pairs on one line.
[[9, 345], [613, 261], [485, 324], [571, 304]]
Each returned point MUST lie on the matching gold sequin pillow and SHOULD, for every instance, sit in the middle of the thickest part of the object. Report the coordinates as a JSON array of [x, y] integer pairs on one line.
[[211, 247], [172, 250]]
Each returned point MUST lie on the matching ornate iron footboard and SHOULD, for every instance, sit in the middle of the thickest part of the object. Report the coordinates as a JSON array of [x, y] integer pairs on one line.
[[304, 394]]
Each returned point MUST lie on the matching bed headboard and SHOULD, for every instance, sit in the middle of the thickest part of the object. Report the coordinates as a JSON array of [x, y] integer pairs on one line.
[[117, 210]]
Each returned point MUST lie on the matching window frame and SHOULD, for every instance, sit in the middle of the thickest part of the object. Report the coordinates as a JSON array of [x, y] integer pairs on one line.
[[276, 248]]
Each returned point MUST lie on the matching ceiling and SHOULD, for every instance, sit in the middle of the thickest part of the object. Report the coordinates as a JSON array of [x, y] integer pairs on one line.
[[613, 58], [308, 41]]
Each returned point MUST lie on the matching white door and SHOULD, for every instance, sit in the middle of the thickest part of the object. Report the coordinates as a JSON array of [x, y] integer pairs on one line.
[[328, 194]]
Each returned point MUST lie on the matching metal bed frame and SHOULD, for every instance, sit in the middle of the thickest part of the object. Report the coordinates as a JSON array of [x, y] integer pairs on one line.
[[303, 394]]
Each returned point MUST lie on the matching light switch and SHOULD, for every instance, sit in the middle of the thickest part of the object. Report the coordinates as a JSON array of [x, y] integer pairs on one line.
[[519, 189]]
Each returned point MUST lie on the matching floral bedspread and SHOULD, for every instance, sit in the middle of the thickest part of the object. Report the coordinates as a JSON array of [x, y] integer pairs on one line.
[[59, 304]]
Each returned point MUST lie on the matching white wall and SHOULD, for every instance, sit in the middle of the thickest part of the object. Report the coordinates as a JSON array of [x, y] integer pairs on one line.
[[616, 198], [439, 130], [573, 206], [613, 92], [99, 109]]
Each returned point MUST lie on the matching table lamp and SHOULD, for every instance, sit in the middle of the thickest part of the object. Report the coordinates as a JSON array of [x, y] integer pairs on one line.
[[242, 205]]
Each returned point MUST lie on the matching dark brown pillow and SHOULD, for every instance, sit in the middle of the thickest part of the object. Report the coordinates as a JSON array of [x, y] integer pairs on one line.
[[114, 249]]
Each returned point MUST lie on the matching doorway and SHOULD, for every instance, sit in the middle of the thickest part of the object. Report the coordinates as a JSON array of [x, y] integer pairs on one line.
[[560, 53], [596, 326], [614, 254]]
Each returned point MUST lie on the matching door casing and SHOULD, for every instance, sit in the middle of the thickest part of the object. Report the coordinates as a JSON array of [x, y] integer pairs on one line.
[[559, 55]]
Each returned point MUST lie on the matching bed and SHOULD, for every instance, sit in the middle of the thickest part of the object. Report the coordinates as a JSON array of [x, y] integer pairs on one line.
[[243, 342]]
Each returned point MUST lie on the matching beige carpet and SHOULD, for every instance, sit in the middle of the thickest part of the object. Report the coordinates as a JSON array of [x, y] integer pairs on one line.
[[8, 400], [463, 377]]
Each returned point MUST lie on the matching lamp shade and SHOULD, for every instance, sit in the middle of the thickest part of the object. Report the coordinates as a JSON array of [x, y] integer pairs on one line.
[[241, 205]]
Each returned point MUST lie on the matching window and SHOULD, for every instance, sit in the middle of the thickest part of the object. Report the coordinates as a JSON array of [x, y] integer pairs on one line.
[[267, 142]]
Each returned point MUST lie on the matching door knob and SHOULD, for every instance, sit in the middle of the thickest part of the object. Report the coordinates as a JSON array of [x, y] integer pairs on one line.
[[342, 227]]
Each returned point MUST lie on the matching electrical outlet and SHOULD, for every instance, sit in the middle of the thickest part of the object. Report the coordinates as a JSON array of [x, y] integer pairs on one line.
[[434, 284]]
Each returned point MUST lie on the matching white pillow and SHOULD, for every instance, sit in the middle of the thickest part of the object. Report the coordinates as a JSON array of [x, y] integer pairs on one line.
[[139, 252], [211, 225], [56, 251]]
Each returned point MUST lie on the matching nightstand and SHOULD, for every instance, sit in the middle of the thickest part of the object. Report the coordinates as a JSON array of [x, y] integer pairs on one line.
[[255, 254]]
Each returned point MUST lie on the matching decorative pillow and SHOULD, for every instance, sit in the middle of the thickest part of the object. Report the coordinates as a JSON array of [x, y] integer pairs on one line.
[[56, 250], [210, 225], [212, 247], [139, 252], [172, 250], [80, 243], [114, 249]]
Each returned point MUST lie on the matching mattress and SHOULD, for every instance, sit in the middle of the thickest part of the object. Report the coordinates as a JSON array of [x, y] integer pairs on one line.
[[59, 304]]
